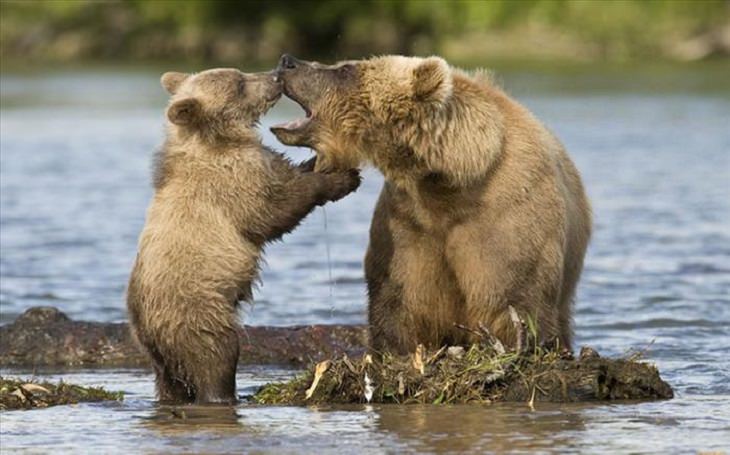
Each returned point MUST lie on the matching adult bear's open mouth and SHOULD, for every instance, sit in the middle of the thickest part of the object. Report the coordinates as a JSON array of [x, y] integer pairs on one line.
[[296, 124], [300, 83]]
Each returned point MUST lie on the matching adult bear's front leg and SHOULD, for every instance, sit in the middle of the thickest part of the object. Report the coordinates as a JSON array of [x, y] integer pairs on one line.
[[497, 268], [385, 296], [413, 296]]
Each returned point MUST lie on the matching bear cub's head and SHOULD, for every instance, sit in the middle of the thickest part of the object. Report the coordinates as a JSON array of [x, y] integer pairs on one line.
[[222, 103]]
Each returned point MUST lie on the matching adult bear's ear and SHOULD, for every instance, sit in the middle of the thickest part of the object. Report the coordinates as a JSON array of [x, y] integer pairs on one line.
[[171, 81], [432, 80], [185, 112]]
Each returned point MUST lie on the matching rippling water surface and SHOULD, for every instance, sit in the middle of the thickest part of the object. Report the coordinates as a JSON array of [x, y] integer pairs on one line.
[[74, 184]]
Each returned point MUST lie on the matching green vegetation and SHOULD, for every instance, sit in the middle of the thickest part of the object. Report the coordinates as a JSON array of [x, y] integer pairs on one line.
[[463, 31], [21, 394], [483, 373]]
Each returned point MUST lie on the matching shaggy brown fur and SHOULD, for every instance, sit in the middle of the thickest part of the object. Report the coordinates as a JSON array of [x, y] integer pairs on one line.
[[219, 196], [481, 209]]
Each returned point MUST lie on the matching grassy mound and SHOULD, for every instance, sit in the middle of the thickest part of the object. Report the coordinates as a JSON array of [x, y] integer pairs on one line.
[[20, 394], [482, 373]]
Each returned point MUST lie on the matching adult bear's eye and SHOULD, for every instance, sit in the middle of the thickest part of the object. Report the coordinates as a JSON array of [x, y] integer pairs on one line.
[[347, 69]]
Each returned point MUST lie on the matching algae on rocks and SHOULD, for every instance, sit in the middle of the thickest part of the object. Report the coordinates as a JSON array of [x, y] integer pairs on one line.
[[21, 394]]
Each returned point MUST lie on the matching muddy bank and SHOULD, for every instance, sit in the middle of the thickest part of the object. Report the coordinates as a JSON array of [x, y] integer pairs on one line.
[[45, 336], [21, 394]]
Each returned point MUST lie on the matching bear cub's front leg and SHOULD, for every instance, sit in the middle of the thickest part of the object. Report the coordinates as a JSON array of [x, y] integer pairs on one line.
[[301, 190]]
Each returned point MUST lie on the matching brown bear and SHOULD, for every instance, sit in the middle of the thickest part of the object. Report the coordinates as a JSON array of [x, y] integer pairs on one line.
[[219, 196], [482, 209]]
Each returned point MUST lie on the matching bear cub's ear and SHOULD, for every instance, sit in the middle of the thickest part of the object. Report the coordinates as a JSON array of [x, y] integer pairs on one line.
[[185, 112], [171, 81], [432, 80]]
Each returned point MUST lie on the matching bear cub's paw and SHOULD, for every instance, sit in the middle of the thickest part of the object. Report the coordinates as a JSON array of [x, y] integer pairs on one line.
[[340, 184]]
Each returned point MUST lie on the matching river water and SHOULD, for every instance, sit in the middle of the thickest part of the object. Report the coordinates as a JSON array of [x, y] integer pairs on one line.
[[75, 149]]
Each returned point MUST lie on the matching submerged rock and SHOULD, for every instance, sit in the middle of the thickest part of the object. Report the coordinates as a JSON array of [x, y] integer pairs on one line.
[[45, 336]]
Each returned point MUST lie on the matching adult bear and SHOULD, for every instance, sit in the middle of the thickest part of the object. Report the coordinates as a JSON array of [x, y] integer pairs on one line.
[[481, 208]]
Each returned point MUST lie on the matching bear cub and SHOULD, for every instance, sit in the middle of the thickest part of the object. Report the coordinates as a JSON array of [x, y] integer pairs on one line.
[[220, 195]]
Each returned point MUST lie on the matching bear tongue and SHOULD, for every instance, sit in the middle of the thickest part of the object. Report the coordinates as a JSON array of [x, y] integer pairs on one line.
[[293, 124]]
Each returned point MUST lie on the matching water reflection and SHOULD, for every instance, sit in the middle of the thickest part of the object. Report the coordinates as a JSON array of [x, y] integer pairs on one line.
[[169, 420], [471, 428]]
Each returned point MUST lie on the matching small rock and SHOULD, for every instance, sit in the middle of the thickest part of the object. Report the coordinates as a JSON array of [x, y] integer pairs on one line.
[[587, 352], [42, 315]]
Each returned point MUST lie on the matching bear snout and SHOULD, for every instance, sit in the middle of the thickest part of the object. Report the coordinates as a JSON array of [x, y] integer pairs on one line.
[[288, 62]]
